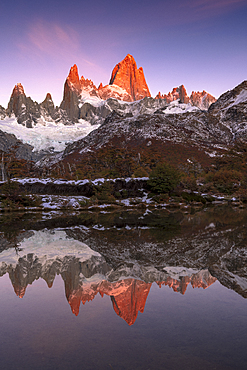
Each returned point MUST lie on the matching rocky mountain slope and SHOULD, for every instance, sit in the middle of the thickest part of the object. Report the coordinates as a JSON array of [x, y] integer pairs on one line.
[[231, 110], [151, 127]]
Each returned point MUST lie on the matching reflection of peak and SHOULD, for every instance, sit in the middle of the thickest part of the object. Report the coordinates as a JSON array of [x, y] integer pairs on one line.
[[132, 300], [202, 279], [45, 254], [128, 296], [19, 290]]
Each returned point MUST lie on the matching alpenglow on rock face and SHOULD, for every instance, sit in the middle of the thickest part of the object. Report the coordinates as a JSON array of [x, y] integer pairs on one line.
[[127, 84], [202, 100], [126, 75], [82, 100]]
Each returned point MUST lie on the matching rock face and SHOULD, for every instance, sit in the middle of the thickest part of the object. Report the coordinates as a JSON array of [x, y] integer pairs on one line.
[[115, 92], [24, 108], [231, 110], [83, 100], [127, 84], [231, 98], [48, 110], [202, 130], [29, 112], [9, 142], [177, 93], [202, 100], [72, 89], [2, 112], [126, 75]]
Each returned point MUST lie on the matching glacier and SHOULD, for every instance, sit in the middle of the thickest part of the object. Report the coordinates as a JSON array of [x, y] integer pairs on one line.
[[49, 136]]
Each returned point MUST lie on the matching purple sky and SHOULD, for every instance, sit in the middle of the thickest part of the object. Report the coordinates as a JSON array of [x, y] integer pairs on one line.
[[199, 43]]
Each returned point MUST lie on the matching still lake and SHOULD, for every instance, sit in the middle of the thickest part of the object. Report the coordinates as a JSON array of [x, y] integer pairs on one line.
[[124, 290]]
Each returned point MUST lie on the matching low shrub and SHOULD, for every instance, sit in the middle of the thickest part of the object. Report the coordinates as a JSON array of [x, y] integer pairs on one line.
[[225, 181], [161, 198], [163, 179], [192, 197]]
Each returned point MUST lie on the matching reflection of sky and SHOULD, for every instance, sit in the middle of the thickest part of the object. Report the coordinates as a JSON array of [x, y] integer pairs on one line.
[[200, 330], [198, 43]]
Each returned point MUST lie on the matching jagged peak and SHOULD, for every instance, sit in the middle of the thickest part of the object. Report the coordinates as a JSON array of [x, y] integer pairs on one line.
[[73, 76], [126, 75], [18, 89], [129, 56], [48, 102], [73, 69], [48, 96]]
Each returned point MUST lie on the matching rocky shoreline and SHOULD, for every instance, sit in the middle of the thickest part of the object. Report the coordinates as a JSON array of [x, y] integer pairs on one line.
[[47, 195]]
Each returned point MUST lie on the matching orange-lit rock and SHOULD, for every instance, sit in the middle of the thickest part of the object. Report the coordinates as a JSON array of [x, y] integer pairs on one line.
[[177, 93], [114, 91], [126, 75], [71, 94], [202, 100], [88, 86], [127, 83], [179, 286], [19, 290], [73, 78]]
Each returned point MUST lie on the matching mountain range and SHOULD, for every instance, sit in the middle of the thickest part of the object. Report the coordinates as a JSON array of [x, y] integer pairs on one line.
[[82, 99], [74, 140]]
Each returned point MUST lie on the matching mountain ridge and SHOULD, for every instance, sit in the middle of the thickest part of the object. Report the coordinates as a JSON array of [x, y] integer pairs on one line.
[[127, 83]]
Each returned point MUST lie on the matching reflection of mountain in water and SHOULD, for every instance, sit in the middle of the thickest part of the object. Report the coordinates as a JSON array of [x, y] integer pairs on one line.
[[85, 272]]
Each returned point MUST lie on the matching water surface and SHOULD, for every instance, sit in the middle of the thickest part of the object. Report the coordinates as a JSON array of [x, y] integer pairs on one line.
[[112, 294]]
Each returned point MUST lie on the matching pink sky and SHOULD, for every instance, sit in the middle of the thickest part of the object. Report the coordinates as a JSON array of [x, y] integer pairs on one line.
[[198, 43]]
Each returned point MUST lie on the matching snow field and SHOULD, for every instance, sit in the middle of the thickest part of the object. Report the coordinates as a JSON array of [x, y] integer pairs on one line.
[[50, 136]]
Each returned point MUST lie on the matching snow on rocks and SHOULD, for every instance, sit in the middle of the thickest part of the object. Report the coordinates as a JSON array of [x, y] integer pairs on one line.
[[175, 107], [48, 136]]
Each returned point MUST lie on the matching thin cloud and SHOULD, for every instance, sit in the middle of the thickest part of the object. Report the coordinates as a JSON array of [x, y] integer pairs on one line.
[[48, 40], [206, 8], [164, 14]]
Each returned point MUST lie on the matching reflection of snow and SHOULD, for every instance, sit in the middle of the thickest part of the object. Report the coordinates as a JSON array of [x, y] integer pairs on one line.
[[47, 245]]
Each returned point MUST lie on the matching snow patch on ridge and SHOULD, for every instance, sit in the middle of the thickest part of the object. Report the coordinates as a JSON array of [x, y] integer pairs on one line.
[[177, 107], [240, 98]]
